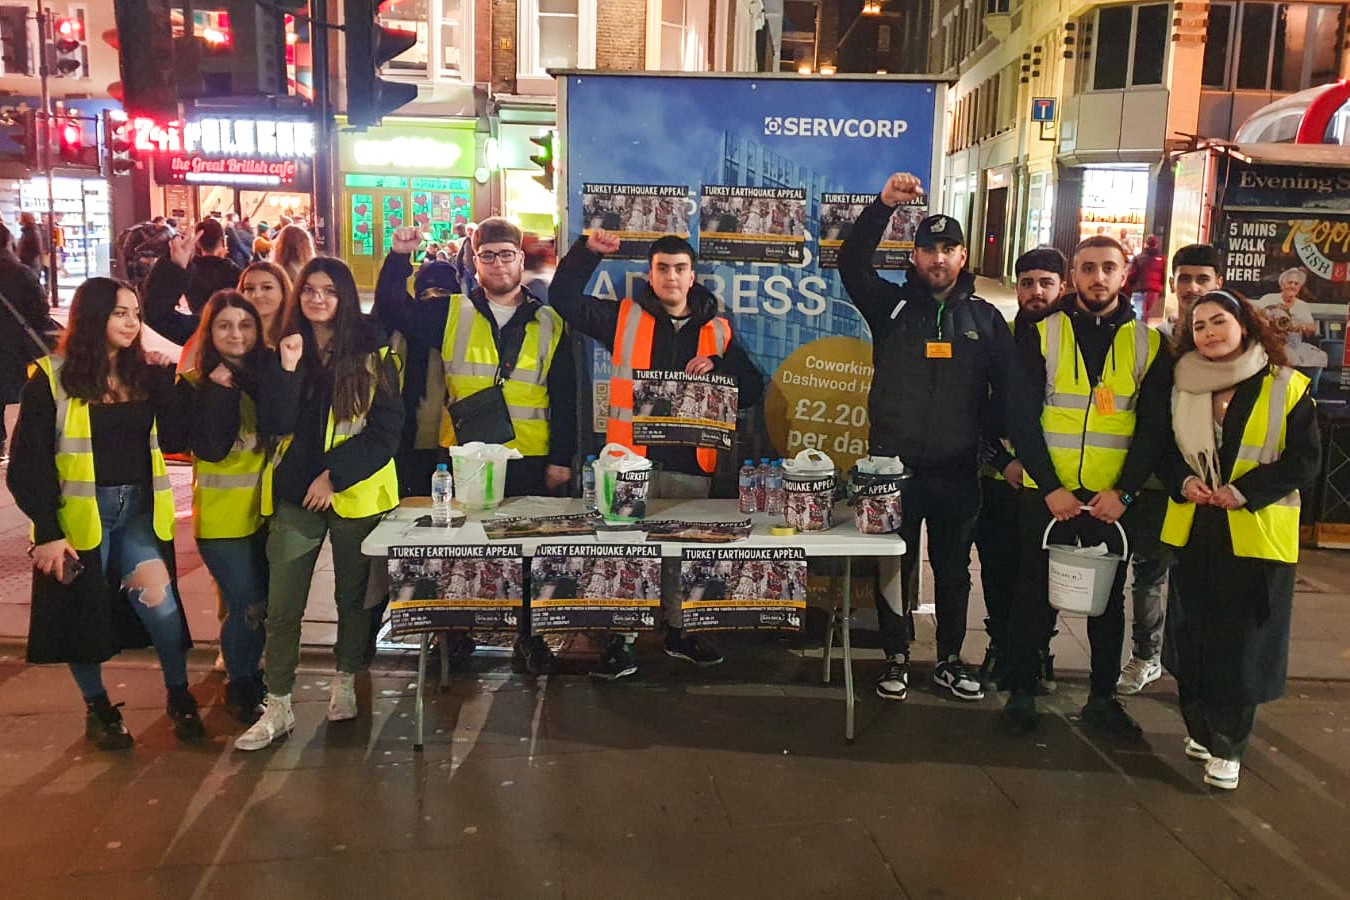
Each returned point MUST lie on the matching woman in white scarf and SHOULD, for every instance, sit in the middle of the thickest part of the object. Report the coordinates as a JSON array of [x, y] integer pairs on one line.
[[1226, 638]]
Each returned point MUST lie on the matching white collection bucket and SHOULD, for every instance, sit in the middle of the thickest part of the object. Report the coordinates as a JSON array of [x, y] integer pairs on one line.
[[480, 474], [622, 479], [808, 487], [1080, 580]]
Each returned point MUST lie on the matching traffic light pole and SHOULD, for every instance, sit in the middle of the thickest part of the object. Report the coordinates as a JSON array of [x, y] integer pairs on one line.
[[323, 160], [43, 136]]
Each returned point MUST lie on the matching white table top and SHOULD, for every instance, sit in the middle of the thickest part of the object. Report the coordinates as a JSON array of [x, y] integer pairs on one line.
[[843, 539]]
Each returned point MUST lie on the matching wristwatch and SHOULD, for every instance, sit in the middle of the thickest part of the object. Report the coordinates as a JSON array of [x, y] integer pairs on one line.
[[1126, 498]]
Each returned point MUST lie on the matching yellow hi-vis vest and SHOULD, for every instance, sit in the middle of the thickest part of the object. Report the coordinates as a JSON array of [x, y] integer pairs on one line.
[[1268, 533], [369, 497], [227, 495], [1088, 445], [78, 512], [471, 361]]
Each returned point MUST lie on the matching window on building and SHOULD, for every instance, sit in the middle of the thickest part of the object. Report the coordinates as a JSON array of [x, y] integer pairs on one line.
[[1282, 47], [1218, 45], [673, 24], [554, 34], [799, 34], [410, 15], [559, 26], [994, 7], [16, 57], [441, 30], [1130, 46]]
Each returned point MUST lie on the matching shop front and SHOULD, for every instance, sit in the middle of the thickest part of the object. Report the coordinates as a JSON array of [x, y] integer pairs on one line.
[[1115, 203], [260, 167], [407, 172]]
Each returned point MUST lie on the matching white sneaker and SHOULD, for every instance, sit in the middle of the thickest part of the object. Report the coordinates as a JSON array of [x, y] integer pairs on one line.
[[342, 698], [1222, 773], [1197, 751], [1138, 674], [276, 721]]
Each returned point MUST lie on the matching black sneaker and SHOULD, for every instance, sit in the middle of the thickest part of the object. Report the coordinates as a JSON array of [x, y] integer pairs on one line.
[[1108, 714], [104, 726], [243, 699], [956, 677], [618, 661], [991, 670], [187, 721], [894, 681], [532, 655], [689, 647], [1019, 715], [1045, 678]]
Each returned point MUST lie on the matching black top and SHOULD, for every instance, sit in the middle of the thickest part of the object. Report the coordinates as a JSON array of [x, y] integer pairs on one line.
[[214, 415], [672, 348], [1094, 337], [931, 412], [32, 475], [297, 403], [422, 324], [167, 282]]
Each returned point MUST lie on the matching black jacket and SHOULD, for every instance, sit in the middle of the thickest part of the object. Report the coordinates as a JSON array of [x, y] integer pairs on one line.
[[422, 324], [931, 412], [167, 282], [1093, 336], [672, 349], [297, 403], [19, 284]]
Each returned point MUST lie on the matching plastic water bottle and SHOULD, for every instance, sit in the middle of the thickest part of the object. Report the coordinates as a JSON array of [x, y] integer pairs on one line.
[[762, 485], [774, 496], [440, 495], [748, 477], [588, 482]]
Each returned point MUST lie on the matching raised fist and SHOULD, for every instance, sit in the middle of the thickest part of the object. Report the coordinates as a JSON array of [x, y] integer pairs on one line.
[[901, 187], [292, 346], [405, 240], [602, 242], [181, 250], [222, 375]]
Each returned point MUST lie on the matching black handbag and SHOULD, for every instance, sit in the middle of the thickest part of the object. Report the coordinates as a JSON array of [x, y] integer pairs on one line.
[[483, 416]]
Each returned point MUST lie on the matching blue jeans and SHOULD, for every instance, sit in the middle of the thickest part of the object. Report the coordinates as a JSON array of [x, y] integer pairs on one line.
[[129, 541], [239, 566]]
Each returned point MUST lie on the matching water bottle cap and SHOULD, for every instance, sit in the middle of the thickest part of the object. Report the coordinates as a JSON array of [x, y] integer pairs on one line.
[[591, 458], [764, 460], [442, 467], [748, 462]]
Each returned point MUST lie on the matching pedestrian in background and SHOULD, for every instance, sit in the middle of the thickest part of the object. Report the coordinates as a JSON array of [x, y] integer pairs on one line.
[[292, 249], [25, 310]]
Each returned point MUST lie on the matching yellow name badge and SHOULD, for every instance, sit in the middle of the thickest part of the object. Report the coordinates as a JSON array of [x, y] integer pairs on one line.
[[1104, 399], [938, 349]]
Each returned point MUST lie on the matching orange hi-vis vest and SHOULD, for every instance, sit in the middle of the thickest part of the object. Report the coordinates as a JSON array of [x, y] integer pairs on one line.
[[633, 353]]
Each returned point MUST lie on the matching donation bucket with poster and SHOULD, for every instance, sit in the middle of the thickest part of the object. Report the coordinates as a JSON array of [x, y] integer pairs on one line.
[[1081, 577], [874, 486], [622, 478], [480, 473], [808, 486]]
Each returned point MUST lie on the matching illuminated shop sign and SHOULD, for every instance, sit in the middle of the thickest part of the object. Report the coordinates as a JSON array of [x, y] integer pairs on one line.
[[258, 153]]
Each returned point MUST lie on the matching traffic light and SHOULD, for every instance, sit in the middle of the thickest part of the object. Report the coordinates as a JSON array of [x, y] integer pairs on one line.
[[544, 158], [18, 138], [67, 46], [145, 53], [369, 45], [120, 134]]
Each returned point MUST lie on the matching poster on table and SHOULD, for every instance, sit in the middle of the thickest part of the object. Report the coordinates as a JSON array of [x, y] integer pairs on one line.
[[636, 214], [838, 214], [581, 587], [1292, 265], [678, 408], [752, 589], [745, 142], [437, 588]]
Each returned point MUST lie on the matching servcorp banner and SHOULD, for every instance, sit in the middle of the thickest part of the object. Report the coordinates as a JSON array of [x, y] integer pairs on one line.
[[769, 170]]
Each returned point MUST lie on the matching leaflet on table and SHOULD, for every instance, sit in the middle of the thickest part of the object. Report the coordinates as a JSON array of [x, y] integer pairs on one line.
[[750, 589], [839, 213], [673, 530], [636, 214], [579, 587], [435, 588], [541, 526], [752, 224], [688, 410]]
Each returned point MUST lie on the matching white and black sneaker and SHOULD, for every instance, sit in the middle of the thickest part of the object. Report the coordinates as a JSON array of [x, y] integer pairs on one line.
[[1196, 751], [894, 681], [956, 677], [1222, 773]]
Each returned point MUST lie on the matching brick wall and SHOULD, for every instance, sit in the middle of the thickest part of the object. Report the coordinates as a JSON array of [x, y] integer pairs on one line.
[[503, 31], [621, 35]]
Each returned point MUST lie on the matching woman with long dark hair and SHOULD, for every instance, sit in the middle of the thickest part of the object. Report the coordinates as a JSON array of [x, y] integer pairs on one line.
[[87, 468], [229, 458], [1245, 441], [332, 398]]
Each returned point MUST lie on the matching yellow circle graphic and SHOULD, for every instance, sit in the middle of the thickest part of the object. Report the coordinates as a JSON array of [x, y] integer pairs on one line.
[[818, 400]]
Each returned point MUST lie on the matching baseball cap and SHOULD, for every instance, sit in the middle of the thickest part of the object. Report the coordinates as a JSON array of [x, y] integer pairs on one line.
[[436, 279], [939, 229]]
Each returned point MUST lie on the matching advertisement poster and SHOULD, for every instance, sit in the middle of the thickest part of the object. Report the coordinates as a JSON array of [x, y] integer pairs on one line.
[[689, 410], [752, 224], [725, 589], [580, 587], [435, 588], [838, 212], [636, 214], [808, 137]]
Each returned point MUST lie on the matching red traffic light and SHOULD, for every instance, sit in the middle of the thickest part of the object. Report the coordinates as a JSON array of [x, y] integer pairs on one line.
[[71, 134], [70, 28]]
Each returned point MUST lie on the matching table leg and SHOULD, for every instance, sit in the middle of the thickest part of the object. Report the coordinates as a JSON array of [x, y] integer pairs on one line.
[[829, 641], [446, 642], [421, 683], [848, 649]]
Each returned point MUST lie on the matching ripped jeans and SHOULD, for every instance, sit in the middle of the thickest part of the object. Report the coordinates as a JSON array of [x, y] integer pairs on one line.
[[127, 515]]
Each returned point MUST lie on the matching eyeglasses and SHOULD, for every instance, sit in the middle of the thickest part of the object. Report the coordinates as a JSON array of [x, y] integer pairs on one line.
[[311, 293], [491, 256]]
